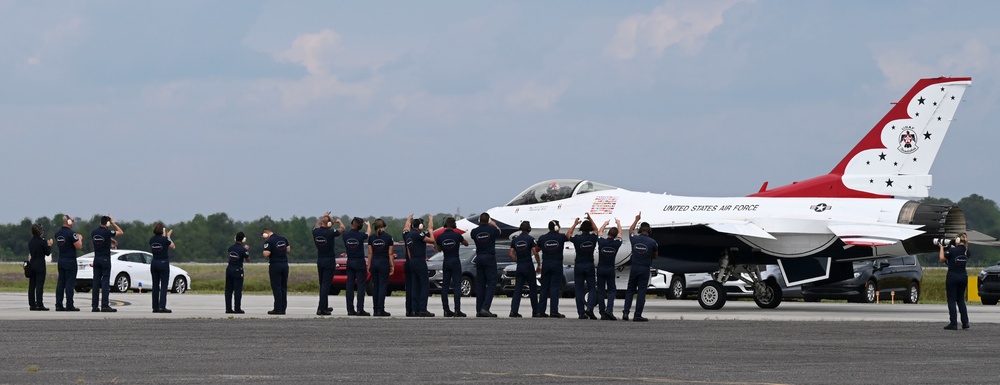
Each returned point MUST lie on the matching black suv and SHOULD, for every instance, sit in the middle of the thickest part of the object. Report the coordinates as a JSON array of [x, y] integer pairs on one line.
[[874, 279], [989, 285]]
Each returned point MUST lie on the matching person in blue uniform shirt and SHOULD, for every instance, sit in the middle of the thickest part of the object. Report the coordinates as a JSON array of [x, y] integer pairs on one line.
[[326, 259], [644, 251], [607, 251], [522, 247], [357, 266], [485, 236], [102, 238], [381, 266], [38, 248], [957, 280], [68, 243], [551, 244], [160, 245], [451, 267], [418, 283], [239, 252], [276, 249], [583, 267]]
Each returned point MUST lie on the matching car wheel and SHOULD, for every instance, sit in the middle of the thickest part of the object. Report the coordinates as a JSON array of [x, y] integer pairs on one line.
[[334, 291], [810, 299], [868, 292], [914, 293], [180, 285], [711, 296], [466, 288], [769, 297], [122, 283], [990, 301], [676, 288], [82, 289]]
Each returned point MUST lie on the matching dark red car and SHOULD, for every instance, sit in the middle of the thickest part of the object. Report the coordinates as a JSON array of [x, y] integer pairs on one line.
[[397, 281]]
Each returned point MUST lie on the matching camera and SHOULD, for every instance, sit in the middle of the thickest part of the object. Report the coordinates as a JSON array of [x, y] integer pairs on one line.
[[946, 242]]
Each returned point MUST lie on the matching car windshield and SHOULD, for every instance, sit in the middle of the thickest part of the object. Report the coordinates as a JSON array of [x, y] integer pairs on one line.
[[556, 189]]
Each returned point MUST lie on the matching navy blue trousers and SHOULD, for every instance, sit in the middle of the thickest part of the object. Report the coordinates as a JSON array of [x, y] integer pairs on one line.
[[278, 272], [160, 270]]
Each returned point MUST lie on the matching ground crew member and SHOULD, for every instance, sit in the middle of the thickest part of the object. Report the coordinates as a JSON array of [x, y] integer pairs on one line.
[[551, 246], [381, 266], [583, 267], [326, 258], [957, 280], [102, 238], [238, 253], [357, 265], [37, 250], [68, 242], [160, 268], [451, 267], [418, 283], [276, 250], [607, 249], [522, 247], [644, 250], [485, 236]]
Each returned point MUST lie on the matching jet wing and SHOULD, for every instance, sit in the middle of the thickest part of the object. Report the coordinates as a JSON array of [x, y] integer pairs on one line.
[[744, 228], [873, 234], [977, 238], [740, 228]]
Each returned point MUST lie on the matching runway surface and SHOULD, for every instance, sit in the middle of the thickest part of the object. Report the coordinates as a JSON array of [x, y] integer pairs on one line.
[[796, 344]]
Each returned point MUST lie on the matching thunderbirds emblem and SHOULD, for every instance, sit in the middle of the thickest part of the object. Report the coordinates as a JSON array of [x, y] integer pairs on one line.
[[908, 140]]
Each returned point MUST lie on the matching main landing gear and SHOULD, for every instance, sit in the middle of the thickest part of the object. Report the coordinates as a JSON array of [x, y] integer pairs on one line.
[[712, 294]]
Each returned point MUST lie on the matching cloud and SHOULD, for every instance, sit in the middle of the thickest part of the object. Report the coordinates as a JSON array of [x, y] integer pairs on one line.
[[532, 96], [313, 51], [318, 53], [902, 67], [681, 23]]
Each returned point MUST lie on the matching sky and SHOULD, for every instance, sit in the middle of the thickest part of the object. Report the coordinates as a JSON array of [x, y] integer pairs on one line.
[[163, 110]]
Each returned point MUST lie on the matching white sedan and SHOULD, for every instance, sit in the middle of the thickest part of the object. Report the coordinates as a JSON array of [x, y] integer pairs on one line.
[[129, 271]]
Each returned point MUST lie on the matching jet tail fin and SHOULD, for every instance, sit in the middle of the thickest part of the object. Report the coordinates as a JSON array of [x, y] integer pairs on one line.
[[895, 157]]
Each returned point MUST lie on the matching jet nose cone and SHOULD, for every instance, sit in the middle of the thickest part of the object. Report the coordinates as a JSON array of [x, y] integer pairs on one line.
[[466, 224]]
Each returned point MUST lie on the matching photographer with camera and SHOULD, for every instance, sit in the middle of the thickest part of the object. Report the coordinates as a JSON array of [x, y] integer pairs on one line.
[[957, 279]]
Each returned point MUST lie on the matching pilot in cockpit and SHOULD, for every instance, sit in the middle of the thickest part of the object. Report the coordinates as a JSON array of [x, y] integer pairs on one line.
[[551, 193]]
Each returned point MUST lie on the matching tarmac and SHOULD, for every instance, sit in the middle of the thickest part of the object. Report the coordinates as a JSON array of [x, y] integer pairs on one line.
[[797, 343]]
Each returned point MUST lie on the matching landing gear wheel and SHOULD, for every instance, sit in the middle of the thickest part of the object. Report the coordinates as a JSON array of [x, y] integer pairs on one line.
[[711, 296], [913, 295], [676, 288], [769, 297], [868, 292]]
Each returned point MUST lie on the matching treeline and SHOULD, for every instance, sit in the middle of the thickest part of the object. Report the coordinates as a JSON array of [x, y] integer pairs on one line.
[[202, 239], [206, 238]]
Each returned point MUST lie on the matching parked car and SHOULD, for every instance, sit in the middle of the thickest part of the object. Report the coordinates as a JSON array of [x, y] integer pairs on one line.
[[874, 279], [466, 254], [397, 281], [989, 285], [507, 282], [129, 271]]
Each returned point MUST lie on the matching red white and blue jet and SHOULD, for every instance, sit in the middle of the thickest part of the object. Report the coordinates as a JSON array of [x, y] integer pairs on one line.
[[811, 229]]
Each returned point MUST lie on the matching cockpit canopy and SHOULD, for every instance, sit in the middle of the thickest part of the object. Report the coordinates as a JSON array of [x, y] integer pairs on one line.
[[557, 189]]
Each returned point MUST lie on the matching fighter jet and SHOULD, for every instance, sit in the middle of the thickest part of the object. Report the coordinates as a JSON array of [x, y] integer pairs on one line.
[[811, 229]]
